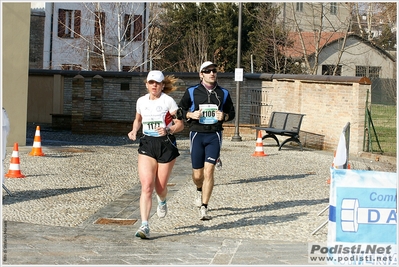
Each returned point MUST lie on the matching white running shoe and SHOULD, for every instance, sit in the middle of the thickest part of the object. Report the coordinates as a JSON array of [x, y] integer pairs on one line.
[[143, 232], [204, 214], [198, 199], [162, 210]]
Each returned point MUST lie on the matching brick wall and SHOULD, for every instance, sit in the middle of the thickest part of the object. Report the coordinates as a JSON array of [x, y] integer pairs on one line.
[[36, 39], [328, 106], [328, 103]]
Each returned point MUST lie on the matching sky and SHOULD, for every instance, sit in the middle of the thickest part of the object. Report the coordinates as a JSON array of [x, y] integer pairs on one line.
[[37, 4]]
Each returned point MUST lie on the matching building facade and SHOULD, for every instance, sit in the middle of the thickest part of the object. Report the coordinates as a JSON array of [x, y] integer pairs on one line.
[[356, 57], [96, 36], [315, 16]]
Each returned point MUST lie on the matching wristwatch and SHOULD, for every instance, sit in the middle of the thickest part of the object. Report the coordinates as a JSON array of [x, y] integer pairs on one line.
[[167, 130]]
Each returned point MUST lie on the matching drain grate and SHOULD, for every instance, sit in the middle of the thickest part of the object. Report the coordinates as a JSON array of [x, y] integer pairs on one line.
[[115, 221]]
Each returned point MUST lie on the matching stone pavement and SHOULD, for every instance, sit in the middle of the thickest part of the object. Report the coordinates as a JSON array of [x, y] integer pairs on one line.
[[114, 243], [107, 236]]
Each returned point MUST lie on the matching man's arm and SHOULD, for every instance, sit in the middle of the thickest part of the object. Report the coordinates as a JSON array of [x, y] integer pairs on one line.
[[185, 104], [228, 109]]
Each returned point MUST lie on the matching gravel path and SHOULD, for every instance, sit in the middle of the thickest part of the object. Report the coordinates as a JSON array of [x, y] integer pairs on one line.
[[277, 197]]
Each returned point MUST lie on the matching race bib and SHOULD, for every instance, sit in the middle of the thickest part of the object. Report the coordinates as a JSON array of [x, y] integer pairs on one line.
[[150, 126], [208, 114]]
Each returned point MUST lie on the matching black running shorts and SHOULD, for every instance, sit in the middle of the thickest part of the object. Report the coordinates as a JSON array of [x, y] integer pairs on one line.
[[163, 148]]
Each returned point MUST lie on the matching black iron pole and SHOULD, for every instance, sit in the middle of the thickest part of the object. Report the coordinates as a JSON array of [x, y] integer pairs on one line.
[[236, 136]]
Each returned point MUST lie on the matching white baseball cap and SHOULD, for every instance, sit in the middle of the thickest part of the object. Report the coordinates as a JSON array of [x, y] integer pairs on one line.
[[155, 75], [207, 64]]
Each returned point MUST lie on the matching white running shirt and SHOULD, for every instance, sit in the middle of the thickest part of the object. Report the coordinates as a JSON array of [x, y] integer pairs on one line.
[[155, 113]]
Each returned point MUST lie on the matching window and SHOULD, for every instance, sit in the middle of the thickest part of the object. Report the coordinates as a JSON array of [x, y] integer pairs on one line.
[[130, 68], [97, 67], [368, 71], [133, 27], [333, 8], [329, 70], [69, 23], [125, 86], [299, 7], [361, 71], [374, 72], [71, 67]]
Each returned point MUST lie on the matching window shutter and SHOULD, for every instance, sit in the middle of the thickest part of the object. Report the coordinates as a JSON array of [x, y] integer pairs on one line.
[[103, 22], [99, 18], [61, 22], [128, 28], [138, 28], [77, 21]]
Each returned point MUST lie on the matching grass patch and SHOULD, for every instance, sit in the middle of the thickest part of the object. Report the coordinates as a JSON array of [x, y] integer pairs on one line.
[[384, 120]]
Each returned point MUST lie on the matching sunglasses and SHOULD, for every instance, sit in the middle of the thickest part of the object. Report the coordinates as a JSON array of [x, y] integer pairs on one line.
[[209, 71], [152, 82]]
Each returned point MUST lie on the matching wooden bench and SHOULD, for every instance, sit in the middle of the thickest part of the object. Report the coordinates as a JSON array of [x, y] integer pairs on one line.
[[284, 124]]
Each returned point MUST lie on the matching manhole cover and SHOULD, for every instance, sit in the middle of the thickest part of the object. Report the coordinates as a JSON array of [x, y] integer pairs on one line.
[[115, 221]]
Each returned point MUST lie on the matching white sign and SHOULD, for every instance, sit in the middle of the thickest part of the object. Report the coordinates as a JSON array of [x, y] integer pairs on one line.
[[363, 212], [239, 74]]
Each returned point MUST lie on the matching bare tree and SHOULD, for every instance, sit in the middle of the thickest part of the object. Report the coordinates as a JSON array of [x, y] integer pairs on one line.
[[324, 25], [182, 36], [371, 16], [268, 40], [120, 37]]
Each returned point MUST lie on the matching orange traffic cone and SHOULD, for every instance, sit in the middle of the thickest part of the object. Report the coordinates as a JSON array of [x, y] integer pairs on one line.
[[14, 171], [37, 144], [259, 146]]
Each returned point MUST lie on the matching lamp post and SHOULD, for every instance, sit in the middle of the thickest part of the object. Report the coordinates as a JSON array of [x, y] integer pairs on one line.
[[236, 136]]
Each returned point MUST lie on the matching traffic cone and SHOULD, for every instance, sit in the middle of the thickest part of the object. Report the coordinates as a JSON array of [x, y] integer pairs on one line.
[[37, 144], [259, 146], [14, 171]]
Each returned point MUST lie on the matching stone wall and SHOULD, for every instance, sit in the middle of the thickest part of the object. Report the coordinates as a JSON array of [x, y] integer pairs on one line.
[[118, 102]]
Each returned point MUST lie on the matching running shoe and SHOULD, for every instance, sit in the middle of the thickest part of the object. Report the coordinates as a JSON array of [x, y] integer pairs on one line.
[[198, 199], [218, 165], [204, 214], [162, 209], [143, 232]]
